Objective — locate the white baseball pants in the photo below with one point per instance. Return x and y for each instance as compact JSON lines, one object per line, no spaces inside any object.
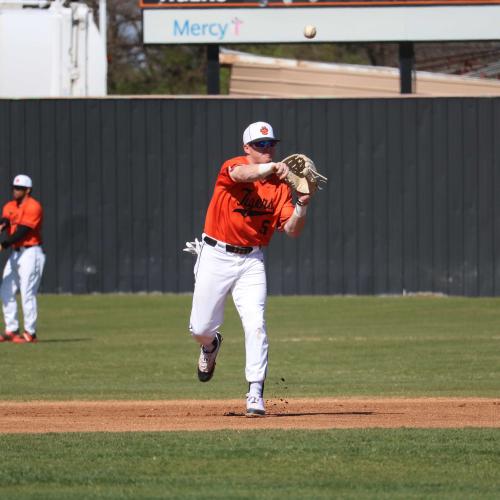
{"x":217,"y":273}
{"x":22,"y":272}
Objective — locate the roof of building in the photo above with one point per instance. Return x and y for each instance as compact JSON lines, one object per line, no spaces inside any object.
{"x":253,"y":75}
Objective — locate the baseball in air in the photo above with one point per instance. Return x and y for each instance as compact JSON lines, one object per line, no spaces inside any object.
{"x":310,"y":31}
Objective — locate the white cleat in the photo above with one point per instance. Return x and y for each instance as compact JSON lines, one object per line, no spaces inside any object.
{"x":206,"y":361}
{"x":255,"y":406}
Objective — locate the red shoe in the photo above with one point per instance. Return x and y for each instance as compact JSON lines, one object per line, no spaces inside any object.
{"x":26,"y":338}
{"x":9,"y":336}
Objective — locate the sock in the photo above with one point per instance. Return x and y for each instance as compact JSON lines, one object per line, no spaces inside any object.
{"x":256,"y":389}
{"x":211,"y":347}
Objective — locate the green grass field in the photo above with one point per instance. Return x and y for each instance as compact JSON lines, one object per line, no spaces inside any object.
{"x":138,"y":347}
{"x":271,"y":465}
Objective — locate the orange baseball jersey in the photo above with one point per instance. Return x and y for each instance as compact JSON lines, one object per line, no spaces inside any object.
{"x":247,"y":213}
{"x":29,"y":213}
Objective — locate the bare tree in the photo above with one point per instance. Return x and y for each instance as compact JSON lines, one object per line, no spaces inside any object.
{"x":134,"y":68}
{"x":180,"y":69}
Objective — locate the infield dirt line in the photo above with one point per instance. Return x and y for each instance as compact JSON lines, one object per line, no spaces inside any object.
{"x":196,"y":415}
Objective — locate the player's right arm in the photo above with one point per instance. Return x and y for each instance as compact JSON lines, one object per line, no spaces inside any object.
{"x":4,"y":223}
{"x":257,"y":171}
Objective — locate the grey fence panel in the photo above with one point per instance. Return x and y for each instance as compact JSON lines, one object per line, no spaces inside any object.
{"x":440,"y":198}
{"x":380,"y":198}
{"x":124,"y":181}
{"x":46,"y":189}
{"x":425,"y":201}
{"x":411,"y":204}
{"x":365,"y":193}
{"x":171,"y":220}
{"x":349,"y":197}
{"x":319,"y":217}
{"x":471,"y":174}
{"x":485,"y":186}
{"x":395,"y":214}
{"x":410,"y":195}
{"x":333,"y":201}
{"x":109,"y":195}
{"x":77,"y":226}
{"x":456,"y":256}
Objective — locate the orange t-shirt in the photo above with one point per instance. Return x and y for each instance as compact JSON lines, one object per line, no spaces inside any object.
{"x":28,"y":213}
{"x":247,"y":213}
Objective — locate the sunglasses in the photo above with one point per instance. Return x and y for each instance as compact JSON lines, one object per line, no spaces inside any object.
{"x":19,"y":188}
{"x":264,"y":144}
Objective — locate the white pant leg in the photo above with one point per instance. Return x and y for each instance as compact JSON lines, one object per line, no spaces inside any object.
{"x":249,"y":295}
{"x":214,"y":276}
{"x":31,"y":264}
{"x":8,"y":290}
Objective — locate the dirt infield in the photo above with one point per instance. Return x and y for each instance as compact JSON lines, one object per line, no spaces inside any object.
{"x":185,"y":415}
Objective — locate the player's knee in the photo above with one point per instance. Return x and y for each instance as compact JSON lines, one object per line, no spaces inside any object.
{"x":256,"y":327}
{"x":202,"y":333}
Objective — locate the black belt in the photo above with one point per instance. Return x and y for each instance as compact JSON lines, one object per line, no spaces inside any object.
{"x":229,"y":248}
{"x":18,"y":249}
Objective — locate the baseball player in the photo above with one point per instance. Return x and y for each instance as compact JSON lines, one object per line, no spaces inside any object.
{"x":22,"y":221}
{"x":249,"y":202}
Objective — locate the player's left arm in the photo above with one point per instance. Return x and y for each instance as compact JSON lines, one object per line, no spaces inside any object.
{"x":20,"y":233}
{"x":295,"y":224}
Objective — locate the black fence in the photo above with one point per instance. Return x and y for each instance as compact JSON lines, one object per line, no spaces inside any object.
{"x":411,"y":204}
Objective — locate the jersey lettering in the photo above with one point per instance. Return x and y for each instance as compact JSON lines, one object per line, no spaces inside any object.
{"x":235,"y":212}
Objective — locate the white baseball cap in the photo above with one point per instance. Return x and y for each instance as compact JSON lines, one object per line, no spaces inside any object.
{"x":22,"y":180}
{"x":258,"y":131}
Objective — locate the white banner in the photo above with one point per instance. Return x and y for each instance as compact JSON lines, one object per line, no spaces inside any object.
{"x":379,"y":24}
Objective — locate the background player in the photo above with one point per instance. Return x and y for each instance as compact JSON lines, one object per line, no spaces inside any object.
{"x":249,"y":202}
{"x":22,"y":219}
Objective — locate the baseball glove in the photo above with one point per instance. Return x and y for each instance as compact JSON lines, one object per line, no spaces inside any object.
{"x":303,"y":176}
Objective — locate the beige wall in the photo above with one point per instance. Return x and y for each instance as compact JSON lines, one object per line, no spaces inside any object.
{"x":255,"y":76}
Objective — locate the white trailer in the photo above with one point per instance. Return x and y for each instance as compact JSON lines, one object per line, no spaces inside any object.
{"x":50,"y":49}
